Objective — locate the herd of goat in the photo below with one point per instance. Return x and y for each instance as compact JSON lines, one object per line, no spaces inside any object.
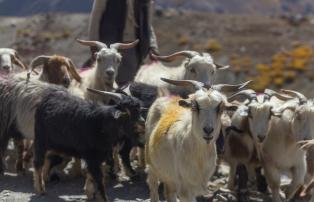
{"x":169,"y":118}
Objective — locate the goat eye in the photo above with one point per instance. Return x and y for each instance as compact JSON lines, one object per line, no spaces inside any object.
{"x":192,"y":70}
{"x":195,"y":106}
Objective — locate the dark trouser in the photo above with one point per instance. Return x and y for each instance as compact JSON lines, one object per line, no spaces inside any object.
{"x":128,"y":67}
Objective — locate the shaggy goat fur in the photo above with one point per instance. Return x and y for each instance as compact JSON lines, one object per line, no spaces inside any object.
{"x":59,"y":128}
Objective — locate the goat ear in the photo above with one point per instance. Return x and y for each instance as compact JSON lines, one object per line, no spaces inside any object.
{"x":185,"y":103}
{"x":117,"y":114}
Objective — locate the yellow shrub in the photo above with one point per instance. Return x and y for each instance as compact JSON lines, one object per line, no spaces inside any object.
{"x":299,"y":64}
{"x":278,"y":81}
{"x":183,"y":40}
{"x":213,"y":45}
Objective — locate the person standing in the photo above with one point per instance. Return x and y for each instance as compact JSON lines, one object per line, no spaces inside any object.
{"x":114,"y":21}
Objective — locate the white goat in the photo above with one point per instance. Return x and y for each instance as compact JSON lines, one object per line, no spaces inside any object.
{"x":9,"y":58}
{"x":278,"y":149}
{"x":102,"y":76}
{"x":302,"y":126}
{"x":240,"y":144}
{"x":180,"y":150}
{"x":198,"y":67}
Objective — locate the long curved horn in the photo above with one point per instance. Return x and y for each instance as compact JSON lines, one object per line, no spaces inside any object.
{"x":230,"y":87}
{"x":96,"y":44}
{"x":249,"y":93}
{"x":270,"y":93}
{"x":122,"y":46}
{"x":299,"y":95}
{"x":17,"y":60}
{"x":115,"y":96}
{"x":186,"y":83}
{"x":172,"y":57}
{"x":72,"y":69}
{"x":39,"y":60}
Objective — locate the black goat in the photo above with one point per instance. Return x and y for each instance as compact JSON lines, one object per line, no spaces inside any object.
{"x":72,"y":126}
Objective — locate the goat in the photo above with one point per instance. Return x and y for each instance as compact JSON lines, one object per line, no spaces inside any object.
{"x":277,"y":145}
{"x":199,"y":67}
{"x":56,"y":69}
{"x":180,"y":150}
{"x":58,"y":128}
{"x":18,"y":101}
{"x":302,"y":128}
{"x":8,"y":58}
{"x":240,"y":144}
{"x":102,"y":76}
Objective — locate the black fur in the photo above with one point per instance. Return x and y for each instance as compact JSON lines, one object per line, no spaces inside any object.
{"x":75,"y":127}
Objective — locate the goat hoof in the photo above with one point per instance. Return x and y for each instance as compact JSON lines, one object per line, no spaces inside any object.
{"x":243,"y":196}
{"x":21,"y":172}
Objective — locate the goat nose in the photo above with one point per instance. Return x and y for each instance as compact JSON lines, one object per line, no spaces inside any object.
{"x":110,"y":72}
{"x":261,"y":138}
{"x":6,"y":67}
{"x":208,"y":130}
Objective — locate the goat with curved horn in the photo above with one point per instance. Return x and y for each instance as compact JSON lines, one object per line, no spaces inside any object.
{"x":299,"y":95}
{"x":270,"y":93}
{"x":122,"y":46}
{"x":115,"y":96}
{"x":249,"y":93}
{"x":174,"y":56}
{"x":230,"y":87}
{"x":187,"y":83}
{"x":96,"y":44}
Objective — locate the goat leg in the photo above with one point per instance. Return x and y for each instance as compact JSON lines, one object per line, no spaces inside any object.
{"x":242,"y":183}
{"x":125,"y":156}
{"x":96,"y":173}
{"x":19,"y":145}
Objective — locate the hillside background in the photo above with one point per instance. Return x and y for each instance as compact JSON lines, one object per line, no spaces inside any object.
{"x":261,"y":7}
{"x":268,"y":41}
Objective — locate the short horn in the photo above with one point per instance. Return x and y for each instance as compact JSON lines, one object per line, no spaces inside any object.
{"x":299,"y":95}
{"x":185,"y":83}
{"x":270,"y":93}
{"x":122,"y":46}
{"x":96,"y":44}
{"x":248,"y":93}
{"x":174,"y":56}
{"x":115,"y":96}
{"x":230,"y":87}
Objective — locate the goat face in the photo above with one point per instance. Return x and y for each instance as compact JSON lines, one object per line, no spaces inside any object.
{"x":201,"y":68}
{"x":8,"y":57}
{"x":107,"y":62}
{"x":259,"y":115}
{"x":134,"y":122}
{"x":206,"y":108}
{"x":5,"y":64}
{"x":302,"y":122}
{"x":57,"y":72}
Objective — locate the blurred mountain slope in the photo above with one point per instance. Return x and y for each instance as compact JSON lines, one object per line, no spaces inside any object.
{"x":260,"y":7}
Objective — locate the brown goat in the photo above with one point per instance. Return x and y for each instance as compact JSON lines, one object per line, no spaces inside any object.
{"x":57,"y":69}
